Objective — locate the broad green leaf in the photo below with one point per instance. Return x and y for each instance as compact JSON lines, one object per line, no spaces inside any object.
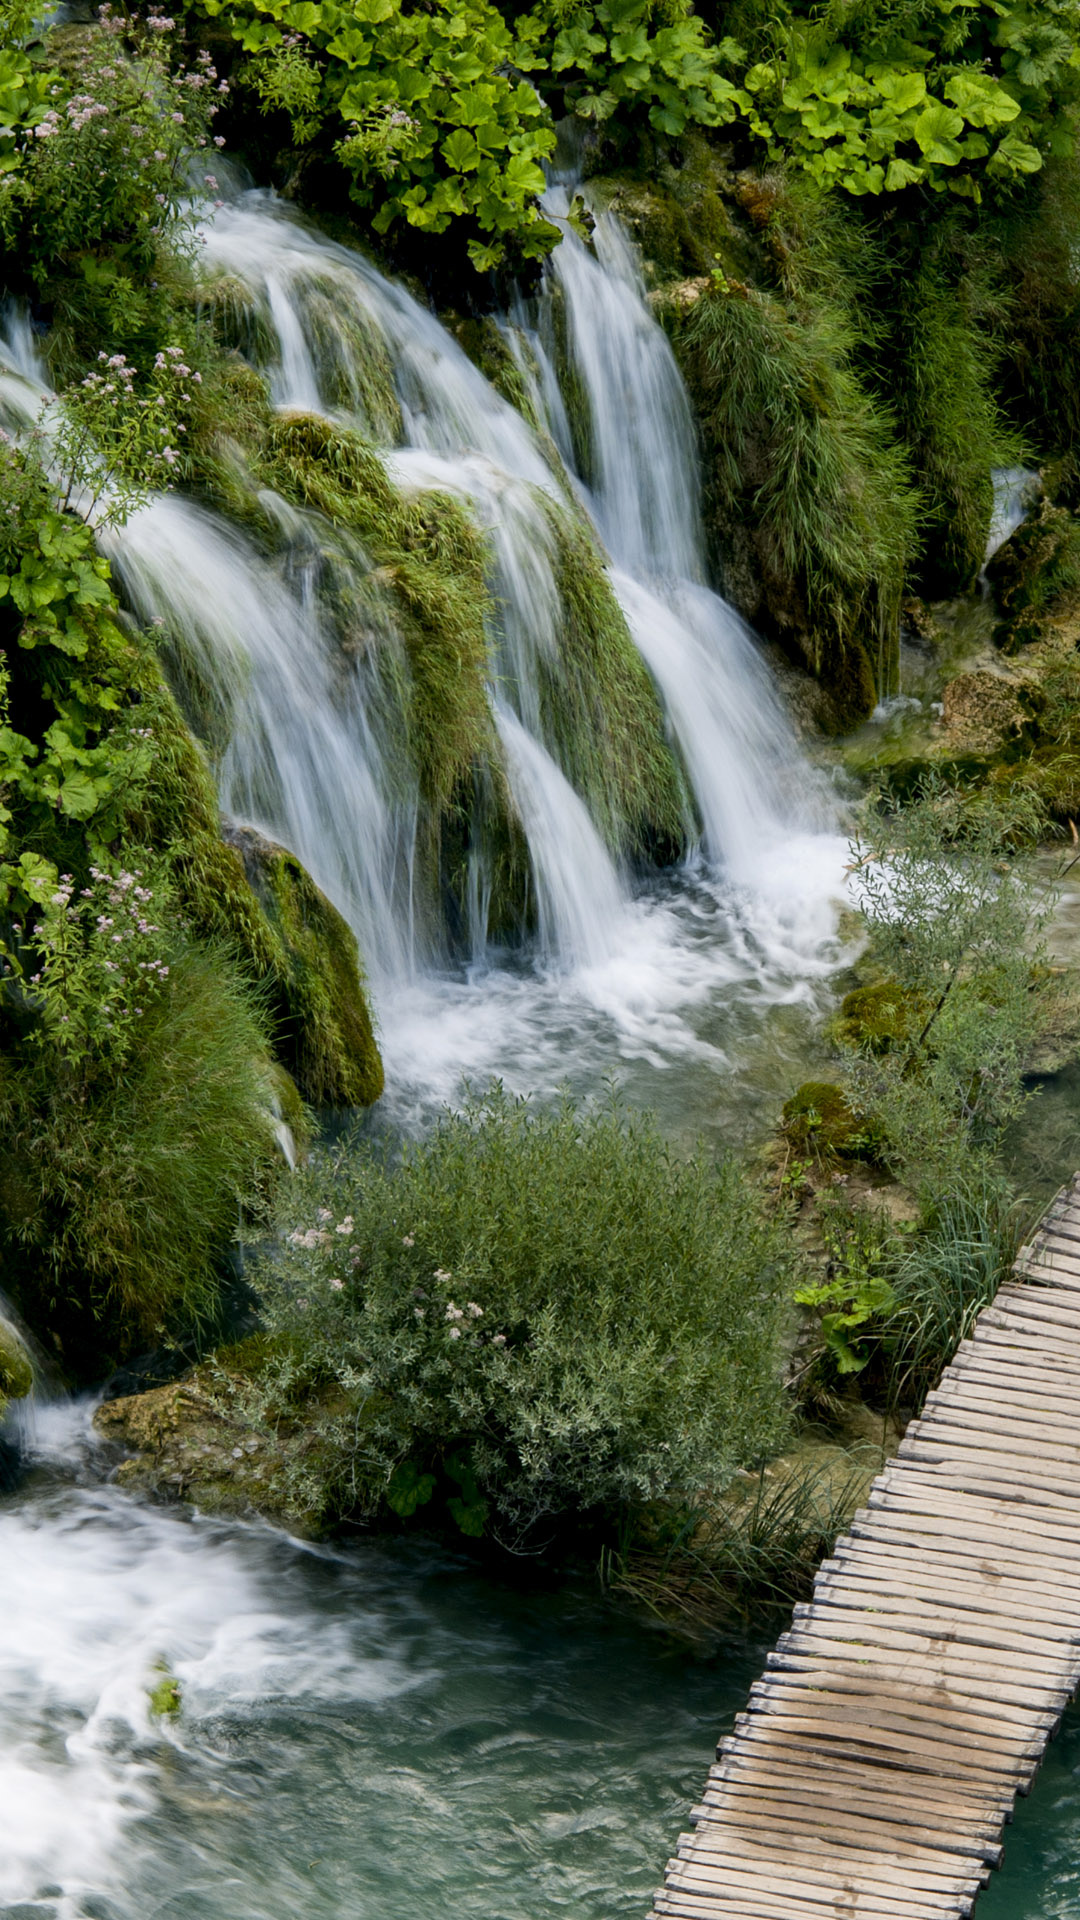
{"x":981,"y":99}
{"x":935,"y":132}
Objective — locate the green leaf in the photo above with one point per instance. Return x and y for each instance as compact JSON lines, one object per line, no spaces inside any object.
{"x":409,"y":1489}
{"x":935,"y":132}
{"x":79,"y":795}
{"x":981,"y":99}
{"x":471,"y":1516}
{"x":460,"y":151}
{"x":902,"y":174}
{"x":902,"y":90}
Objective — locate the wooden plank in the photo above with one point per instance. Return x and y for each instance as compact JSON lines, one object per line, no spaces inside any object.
{"x":871,"y":1867}
{"x":971,"y":1710}
{"x":914,"y":1694}
{"x":846,"y":1826}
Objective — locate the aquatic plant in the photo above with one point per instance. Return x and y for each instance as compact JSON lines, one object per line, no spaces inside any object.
{"x":549,"y":1307}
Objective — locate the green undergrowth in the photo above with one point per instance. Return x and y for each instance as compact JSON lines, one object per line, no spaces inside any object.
{"x":509,"y":1309}
{"x":936,"y":1049}
{"x":121,"y":1187}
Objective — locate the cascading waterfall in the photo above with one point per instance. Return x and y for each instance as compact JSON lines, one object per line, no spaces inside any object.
{"x":641,"y":490}
{"x":306,"y":734}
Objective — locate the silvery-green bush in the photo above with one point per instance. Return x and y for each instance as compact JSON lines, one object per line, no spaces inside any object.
{"x":549,"y":1310}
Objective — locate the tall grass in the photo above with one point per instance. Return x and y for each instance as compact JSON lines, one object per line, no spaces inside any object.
{"x":759,"y":1546}
{"x":803,"y":451}
{"x":119,"y":1194}
{"x":945,"y":1276}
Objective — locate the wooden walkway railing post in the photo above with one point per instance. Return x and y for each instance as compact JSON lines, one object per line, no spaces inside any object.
{"x":881,"y":1752}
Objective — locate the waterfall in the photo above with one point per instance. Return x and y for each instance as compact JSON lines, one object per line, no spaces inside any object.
{"x":303,"y":760}
{"x":641,"y":490}
{"x":580,"y":904}
{"x":303,"y":715}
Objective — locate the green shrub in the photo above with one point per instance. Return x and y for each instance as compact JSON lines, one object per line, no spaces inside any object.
{"x":878,"y":98}
{"x":547,"y":1307}
{"x":954,"y":923}
{"x":801,"y":452}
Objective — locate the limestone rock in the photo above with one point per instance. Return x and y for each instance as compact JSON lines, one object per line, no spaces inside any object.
{"x":983,"y":709}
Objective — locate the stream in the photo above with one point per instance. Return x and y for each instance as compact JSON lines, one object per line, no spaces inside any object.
{"x":371,"y":1733}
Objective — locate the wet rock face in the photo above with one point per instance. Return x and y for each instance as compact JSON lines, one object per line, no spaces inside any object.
{"x":982,"y":709}
{"x":186,"y":1448}
{"x":16,"y":1367}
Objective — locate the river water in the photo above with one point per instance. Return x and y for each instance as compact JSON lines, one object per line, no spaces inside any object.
{"x":376,"y":1732}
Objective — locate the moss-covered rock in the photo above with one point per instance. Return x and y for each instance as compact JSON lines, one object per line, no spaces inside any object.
{"x":1034,"y":573}
{"x":196,"y":1439}
{"x":315,"y":994}
{"x":329,"y":1040}
{"x":16,"y":1367}
{"x":601,"y":709}
{"x":819,"y":1120}
{"x":982,"y":710}
{"x":877,"y":1016}
{"x":429,"y":564}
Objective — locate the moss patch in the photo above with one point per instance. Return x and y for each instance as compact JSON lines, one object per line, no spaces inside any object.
{"x":430,"y":561}
{"x":876,"y":1017}
{"x":601,"y":709}
{"x":819,"y":1120}
{"x":329,"y":1039}
{"x":315,"y":994}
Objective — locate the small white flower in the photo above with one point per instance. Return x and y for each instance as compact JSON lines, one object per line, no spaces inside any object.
{"x":455,"y":1333}
{"x":408,"y":1241}
{"x":477,"y":1313}
{"x":498,"y":1340}
{"x":336,"y":1286}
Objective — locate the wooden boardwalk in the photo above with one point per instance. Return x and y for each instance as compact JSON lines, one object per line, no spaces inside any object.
{"x":913,"y":1697}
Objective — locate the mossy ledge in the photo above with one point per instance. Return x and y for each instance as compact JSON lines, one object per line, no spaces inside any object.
{"x":292,"y":944}
{"x":328,"y":1038}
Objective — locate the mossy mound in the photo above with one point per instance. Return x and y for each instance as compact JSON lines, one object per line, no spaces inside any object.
{"x":876,"y":1017}
{"x":16,"y":1367}
{"x":601,"y":709}
{"x":429,"y":561}
{"x":819,"y":1120}
{"x":328,"y":1037}
{"x":314,"y":994}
